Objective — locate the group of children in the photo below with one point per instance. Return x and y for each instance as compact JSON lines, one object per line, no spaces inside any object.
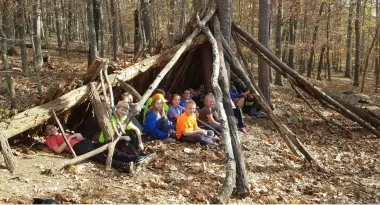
{"x":176,"y":121}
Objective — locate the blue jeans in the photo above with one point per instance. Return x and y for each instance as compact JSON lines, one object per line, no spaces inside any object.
{"x":215,"y":127}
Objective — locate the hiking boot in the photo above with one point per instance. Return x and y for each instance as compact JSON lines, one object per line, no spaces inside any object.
{"x":243,"y":130}
{"x":146,"y":159}
{"x":168,"y":140}
{"x":127,"y":167}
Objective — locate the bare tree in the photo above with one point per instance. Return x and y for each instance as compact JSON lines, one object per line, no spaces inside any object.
{"x":93,"y":50}
{"x":357,"y":44}
{"x":347,"y":72}
{"x":263,"y":73}
{"x":21,"y":30}
{"x":278,"y":79}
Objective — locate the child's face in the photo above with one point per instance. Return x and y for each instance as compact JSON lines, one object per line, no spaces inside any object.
{"x":121,"y":111}
{"x":210,"y":102}
{"x":186,"y":94}
{"x":51,"y":130}
{"x":190,"y":109}
{"x":176,"y":101}
{"x":130,"y":99}
{"x":158,"y":104}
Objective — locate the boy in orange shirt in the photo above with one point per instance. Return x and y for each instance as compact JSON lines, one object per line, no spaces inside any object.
{"x":187,"y":127}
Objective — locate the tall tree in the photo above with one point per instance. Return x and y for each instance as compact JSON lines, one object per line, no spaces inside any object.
{"x":263,"y":72}
{"x":37,"y":44}
{"x":93,"y":50}
{"x":21,"y":31}
{"x":357,"y":43}
{"x":146,"y":18}
{"x":5,"y":61}
{"x":278,"y":79}
{"x":311,"y":58}
{"x":347,"y":72}
{"x":8,"y":25}
{"x":292,"y":35}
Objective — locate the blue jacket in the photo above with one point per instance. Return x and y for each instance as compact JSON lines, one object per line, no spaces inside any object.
{"x":236,"y":95}
{"x":150,"y":126}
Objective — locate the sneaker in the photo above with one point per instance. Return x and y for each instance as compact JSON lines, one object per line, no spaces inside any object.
{"x":243,"y":130}
{"x":127,"y":168}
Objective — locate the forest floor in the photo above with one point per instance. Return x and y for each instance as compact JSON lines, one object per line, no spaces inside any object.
{"x":187,"y":173}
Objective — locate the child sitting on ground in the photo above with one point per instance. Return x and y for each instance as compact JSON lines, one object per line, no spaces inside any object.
{"x":118,"y":121}
{"x":209,"y":115}
{"x":175,"y":110}
{"x":187,"y":127}
{"x":185,"y":97}
{"x":55,"y":142}
{"x":158,"y":93}
{"x":157,"y":125}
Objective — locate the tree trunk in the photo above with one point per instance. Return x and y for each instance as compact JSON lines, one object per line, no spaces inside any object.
{"x":38,"y":61}
{"x":362,"y":44}
{"x":278,"y":80}
{"x":58,"y":24}
{"x":96,"y":11}
{"x":263,"y":73}
{"x":347,"y":72}
{"x":292,"y":22}
{"x":311,"y":58}
{"x":4,"y":58}
{"x":357,"y":44}
{"x":375,"y":38}
{"x":217,"y":50}
{"x":93,"y":51}
{"x":102,"y":31}
{"x":8,"y":26}
{"x":171,"y":33}
{"x":21,"y":31}
{"x":5,"y":148}
{"x":121,"y":28}
{"x":320,"y":63}
{"x":377,"y":59}
{"x":114,"y":29}
{"x":328,"y":43}
{"x":145,"y":16}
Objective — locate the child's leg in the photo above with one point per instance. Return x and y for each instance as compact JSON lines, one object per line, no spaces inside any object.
{"x":239,"y":118}
{"x":203,"y":139}
{"x":163,"y":124}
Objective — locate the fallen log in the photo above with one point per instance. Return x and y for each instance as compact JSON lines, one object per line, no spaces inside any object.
{"x":136,"y":95}
{"x":303,"y":83}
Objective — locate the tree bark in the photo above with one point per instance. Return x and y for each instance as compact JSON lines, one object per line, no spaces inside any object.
{"x":21,"y":30}
{"x":263,"y":73}
{"x":357,"y":44}
{"x":7,"y":152}
{"x":38,"y":61}
{"x":58,"y":24}
{"x":311,"y":58}
{"x":320,"y":63}
{"x":217,"y":51}
{"x":347,"y":72}
{"x":8,"y":77}
{"x":114,"y":29}
{"x":375,"y":38}
{"x":278,"y":80}
{"x":93,"y":51}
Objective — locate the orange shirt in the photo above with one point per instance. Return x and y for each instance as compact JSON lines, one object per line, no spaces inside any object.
{"x":185,"y":122}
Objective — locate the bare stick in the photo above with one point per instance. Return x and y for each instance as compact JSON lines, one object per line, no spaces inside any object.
{"x":331,"y":121}
{"x":112,"y":102}
{"x":103,"y":86}
{"x":230,"y":180}
{"x":205,"y":124}
{"x":129,"y":89}
{"x":64,"y":134}
{"x":7,"y":153}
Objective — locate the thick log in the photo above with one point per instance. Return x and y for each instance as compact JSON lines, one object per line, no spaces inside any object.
{"x":37,"y":115}
{"x":306,"y":85}
{"x":63,"y":133}
{"x":7,"y":152}
{"x":94,"y":69}
{"x":101,"y":114}
{"x":230,"y":179}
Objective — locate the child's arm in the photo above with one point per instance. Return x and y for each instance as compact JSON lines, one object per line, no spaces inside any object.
{"x":212,"y":120}
{"x":138,"y":133}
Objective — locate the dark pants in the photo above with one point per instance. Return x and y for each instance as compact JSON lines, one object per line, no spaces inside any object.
{"x":119,"y":159}
{"x":203,"y":139}
{"x":215,"y":127}
{"x":163,"y":124}
{"x":239,"y":117}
